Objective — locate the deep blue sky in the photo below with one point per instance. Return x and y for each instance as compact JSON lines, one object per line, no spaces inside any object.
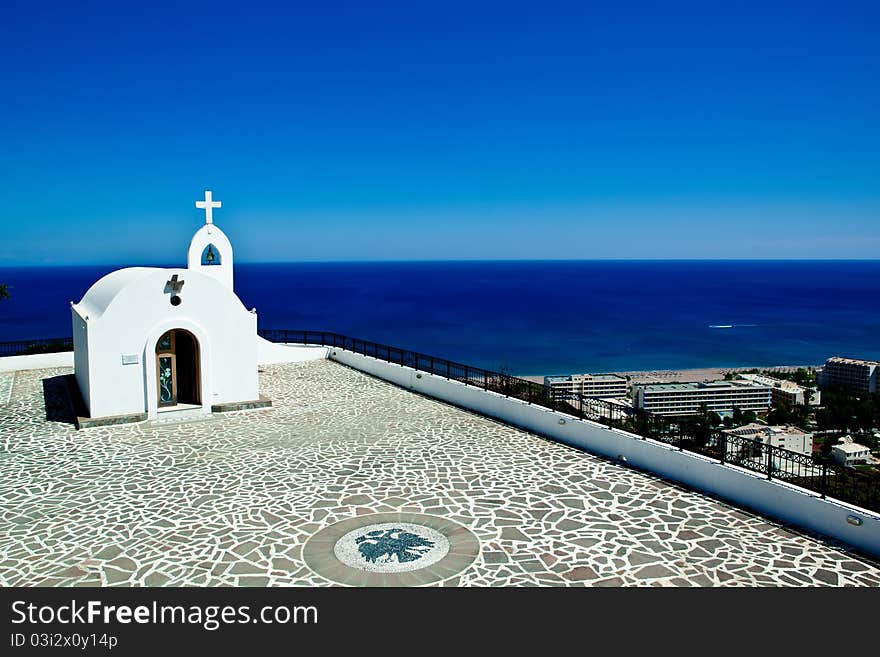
{"x":370,"y":130}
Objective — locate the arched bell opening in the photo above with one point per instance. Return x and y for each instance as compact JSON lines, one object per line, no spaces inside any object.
{"x":210,"y":256}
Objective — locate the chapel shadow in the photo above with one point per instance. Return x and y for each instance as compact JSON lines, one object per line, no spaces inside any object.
{"x":59,"y":399}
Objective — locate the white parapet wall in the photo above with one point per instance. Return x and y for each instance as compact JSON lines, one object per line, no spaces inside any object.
{"x":36,"y":361}
{"x":271,"y":353}
{"x":851,"y":525}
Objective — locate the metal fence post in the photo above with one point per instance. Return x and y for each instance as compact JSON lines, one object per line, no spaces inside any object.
{"x":769,"y":461}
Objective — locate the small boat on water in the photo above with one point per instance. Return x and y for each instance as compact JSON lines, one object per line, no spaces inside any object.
{"x":720,"y":326}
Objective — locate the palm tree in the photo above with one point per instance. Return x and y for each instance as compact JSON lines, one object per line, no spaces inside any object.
{"x":805,"y":412}
{"x":4,"y":291}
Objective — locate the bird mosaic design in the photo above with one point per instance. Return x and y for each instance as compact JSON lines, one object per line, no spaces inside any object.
{"x":384,"y":545}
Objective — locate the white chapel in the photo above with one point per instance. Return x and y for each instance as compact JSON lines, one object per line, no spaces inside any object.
{"x":149,"y":341}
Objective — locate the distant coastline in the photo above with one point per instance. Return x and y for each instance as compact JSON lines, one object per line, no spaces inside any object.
{"x":689,"y":375}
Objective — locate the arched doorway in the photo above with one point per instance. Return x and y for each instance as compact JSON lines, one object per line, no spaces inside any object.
{"x":177,"y":368}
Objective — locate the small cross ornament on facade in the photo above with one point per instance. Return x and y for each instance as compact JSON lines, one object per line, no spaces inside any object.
{"x":175,"y":285}
{"x":208,"y":206}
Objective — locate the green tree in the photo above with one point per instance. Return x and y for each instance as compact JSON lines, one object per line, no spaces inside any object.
{"x":781,"y":414}
{"x":801,"y":377}
{"x":806,"y":410}
{"x":4,"y":291}
{"x":808,"y":396}
{"x":867,"y":413}
{"x":869,"y":441}
{"x":737,"y":417}
{"x":700,"y":428}
{"x":827,"y":443}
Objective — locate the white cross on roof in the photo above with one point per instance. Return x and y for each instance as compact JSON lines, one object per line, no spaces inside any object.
{"x":208,"y":206}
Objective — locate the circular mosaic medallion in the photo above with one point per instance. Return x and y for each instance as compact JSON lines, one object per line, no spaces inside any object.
{"x":391,"y":549}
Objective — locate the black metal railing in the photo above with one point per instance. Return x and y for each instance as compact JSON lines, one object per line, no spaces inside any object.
{"x":687,"y":434}
{"x":41,"y":346}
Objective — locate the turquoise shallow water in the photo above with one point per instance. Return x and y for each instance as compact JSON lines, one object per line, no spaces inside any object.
{"x":539,"y":317}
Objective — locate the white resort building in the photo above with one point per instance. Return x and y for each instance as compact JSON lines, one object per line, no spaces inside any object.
{"x":687,"y":398}
{"x":849,"y":452}
{"x":784,"y":437}
{"x":598,"y":386}
{"x":859,"y":376}
{"x":785,"y":392}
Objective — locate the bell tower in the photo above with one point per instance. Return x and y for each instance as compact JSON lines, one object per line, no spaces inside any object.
{"x":210,"y":251}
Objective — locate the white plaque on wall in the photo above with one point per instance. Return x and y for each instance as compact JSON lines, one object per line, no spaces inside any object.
{"x":130,"y":359}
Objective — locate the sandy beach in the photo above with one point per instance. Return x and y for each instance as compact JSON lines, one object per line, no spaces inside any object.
{"x":689,"y":375}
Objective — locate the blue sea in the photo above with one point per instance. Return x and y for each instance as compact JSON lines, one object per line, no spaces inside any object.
{"x":538,"y":317}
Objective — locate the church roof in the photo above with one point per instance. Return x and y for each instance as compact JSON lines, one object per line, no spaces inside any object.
{"x":99,"y":297}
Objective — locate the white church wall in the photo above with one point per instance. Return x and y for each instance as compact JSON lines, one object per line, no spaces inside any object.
{"x":123,"y":370}
{"x":81,"y":355}
{"x":115,"y":388}
{"x":773,"y":498}
{"x":228,"y":360}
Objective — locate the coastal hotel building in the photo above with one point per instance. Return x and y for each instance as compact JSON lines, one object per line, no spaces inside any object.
{"x":687,"y":398}
{"x":784,"y":437}
{"x":860,"y":376}
{"x":598,"y":386}
{"x":785,"y":392}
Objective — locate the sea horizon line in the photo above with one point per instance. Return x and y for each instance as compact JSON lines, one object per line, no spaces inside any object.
{"x":43,"y":265}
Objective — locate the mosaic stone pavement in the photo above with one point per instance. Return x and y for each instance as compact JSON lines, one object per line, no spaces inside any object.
{"x":231,"y":500}
{"x":6,"y":379}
